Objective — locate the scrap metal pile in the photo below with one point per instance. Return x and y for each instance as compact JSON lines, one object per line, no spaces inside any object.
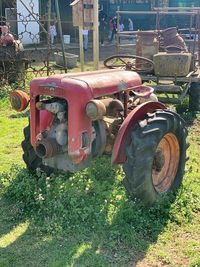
{"x":169,"y":58}
{"x":11,"y":56}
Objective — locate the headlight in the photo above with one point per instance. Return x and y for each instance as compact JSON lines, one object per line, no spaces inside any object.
{"x":19,"y":100}
{"x":95,"y":109}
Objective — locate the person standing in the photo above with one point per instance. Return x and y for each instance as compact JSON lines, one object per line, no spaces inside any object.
{"x":110,"y":28}
{"x":114,"y":31}
{"x":85,"y":40}
{"x":130,"y":24}
{"x":102,"y":29}
{"x":121,"y":26}
{"x":53,"y":33}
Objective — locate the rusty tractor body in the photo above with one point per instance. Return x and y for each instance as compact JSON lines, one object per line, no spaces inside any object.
{"x":77,"y":117}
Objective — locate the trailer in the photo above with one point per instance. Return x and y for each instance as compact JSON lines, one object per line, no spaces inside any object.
{"x":172,"y":64}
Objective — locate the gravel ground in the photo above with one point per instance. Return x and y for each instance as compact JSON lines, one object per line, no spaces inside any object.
{"x":39,"y":54}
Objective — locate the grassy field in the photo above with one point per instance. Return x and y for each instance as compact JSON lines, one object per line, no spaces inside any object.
{"x":86,"y":219}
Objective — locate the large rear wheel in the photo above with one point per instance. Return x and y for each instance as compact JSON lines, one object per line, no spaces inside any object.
{"x":156,"y":156}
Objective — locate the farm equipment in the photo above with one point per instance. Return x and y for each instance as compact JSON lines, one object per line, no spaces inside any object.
{"x":174,"y":72}
{"x":170,"y":74}
{"x":12,"y":62}
{"x":77,"y":117}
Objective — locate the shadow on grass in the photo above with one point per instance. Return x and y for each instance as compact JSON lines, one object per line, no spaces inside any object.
{"x":81,"y":220}
{"x":186,"y":114}
{"x":20,"y":115}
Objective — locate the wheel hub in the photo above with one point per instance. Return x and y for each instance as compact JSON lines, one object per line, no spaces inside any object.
{"x":165,"y":163}
{"x":128,"y":65}
{"x":159,"y":161}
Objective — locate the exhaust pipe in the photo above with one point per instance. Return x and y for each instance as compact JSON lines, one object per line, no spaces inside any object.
{"x":47,"y":148}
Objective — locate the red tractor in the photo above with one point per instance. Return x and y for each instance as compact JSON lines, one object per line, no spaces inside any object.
{"x":79,"y":116}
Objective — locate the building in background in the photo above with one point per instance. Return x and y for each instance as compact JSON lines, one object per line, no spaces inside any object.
{"x":28,"y":28}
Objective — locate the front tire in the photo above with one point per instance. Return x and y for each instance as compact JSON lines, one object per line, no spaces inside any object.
{"x":156,"y":156}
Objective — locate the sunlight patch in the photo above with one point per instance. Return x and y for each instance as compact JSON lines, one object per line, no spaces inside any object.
{"x":113,"y":206}
{"x":7,"y":239}
{"x":82,"y":248}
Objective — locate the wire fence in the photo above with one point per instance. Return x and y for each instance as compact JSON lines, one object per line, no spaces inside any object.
{"x":30,"y":43}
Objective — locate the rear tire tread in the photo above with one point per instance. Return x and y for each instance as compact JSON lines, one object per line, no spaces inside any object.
{"x":140,"y":154}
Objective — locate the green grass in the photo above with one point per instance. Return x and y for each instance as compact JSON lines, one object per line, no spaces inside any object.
{"x":86,"y":219}
{"x":11,"y":125}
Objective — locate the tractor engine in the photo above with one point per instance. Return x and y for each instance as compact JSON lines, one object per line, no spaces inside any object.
{"x":53,"y":140}
{"x":51,"y":145}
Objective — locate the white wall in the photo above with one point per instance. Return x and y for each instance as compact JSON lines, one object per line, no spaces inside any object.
{"x":28,"y":34}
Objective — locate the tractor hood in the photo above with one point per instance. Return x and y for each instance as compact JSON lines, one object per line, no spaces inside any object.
{"x":94,"y":84}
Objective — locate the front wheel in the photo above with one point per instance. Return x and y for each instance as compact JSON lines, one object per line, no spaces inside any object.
{"x":30,"y":158}
{"x":156,"y":156}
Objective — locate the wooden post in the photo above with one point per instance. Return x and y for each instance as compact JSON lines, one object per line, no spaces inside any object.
{"x":158,"y":21}
{"x":48,"y":36}
{"x":81,"y":47}
{"x":96,"y":35}
{"x":118,"y":30}
{"x":61,"y":35}
{"x":49,"y":21}
{"x":198,"y":19}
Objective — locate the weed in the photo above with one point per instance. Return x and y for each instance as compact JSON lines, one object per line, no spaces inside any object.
{"x":86,"y":218}
{"x":5,"y":89}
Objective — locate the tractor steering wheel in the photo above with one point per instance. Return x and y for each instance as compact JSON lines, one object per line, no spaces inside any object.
{"x":128,"y":62}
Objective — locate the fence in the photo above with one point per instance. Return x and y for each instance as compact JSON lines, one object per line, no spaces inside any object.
{"x":30,"y":36}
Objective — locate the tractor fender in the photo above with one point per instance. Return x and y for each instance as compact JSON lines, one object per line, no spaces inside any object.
{"x":123,"y":136}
